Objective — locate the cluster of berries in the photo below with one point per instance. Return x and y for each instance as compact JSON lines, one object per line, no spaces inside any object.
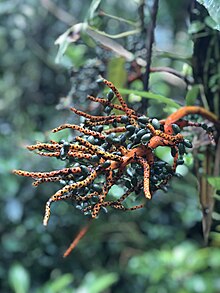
{"x":117,"y":148}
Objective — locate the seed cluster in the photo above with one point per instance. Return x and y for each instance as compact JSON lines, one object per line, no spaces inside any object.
{"x":115,"y":149}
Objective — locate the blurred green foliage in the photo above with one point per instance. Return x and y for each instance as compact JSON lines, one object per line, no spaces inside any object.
{"x":157,"y":249}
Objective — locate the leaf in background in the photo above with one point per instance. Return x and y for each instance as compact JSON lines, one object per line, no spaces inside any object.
{"x":192,"y":95}
{"x":59,"y":284}
{"x":97,"y":283}
{"x":195,"y":27}
{"x":149,"y":95}
{"x":120,"y":19}
{"x":213,"y":7}
{"x":19,"y":279}
{"x":93,"y":7}
{"x":103,"y":282}
{"x":116,"y":71}
{"x":70,"y":36}
{"x":83,"y":30}
{"x":106,"y":41}
{"x":76,"y":54}
{"x":214,"y":182}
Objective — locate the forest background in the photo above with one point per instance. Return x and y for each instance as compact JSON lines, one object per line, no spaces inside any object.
{"x":157,"y":249}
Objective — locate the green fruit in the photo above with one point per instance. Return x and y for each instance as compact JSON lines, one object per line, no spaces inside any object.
{"x":141,"y":132}
{"x":176,"y":128}
{"x":91,"y":139}
{"x":187,"y":143}
{"x":99,"y":128}
{"x":142,"y":119}
{"x":124,"y":119}
{"x":96,"y":187}
{"x":114,"y":123}
{"x":130,"y":145}
{"x":210,"y":129}
{"x":94,"y":159}
{"x":204,"y":126}
{"x":130,"y":128}
{"x":128,"y":183}
{"x":154,"y":178}
{"x":133,"y":137}
{"x":181,"y":148}
{"x":110,"y":95}
{"x":84,"y":169}
{"x":116,"y":140}
{"x":107,"y":110}
{"x":106,"y":164}
{"x":173,"y":152}
{"x":134,"y":181}
{"x":146,"y":137}
{"x":155,"y":123}
{"x":122,"y":138}
{"x":110,"y":138}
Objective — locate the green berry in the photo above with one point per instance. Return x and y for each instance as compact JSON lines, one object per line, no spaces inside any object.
{"x":182,"y":149}
{"x":142,"y":119}
{"x":106,"y":164}
{"x":187,"y":143}
{"x":110,"y":95}
{"x":173,"y":152}
{"x":176,"y":128}
{"x":107,"y":110}
{"x":156,"y":124}
{"x":94,"y":159}
{"x":84,"y":169}
{"x":124,"y":119}
{"x":146,"y":137}
{"x":130,"y":128}
{"x":96,"y":187}
{"x":141,"y":132}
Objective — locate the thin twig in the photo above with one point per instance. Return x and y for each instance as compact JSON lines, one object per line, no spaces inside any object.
{"x":149,"y":45}
{"x":76,"y":240}
{"x":187,"y":79}
{"x":141,"y":15}
{"x":139,"y":75}
{"x":58,"y":12}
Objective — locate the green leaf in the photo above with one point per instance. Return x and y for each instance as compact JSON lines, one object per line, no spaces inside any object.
{"x":213,"y":7}
{"x":196,"y":26}
{"x":98,"y":283}
{"x":210,"y":22}
{"x":60,"y":283}
{"x":149,"y":95}
{"x":106,"y":41}
{"x":69,"y":36}
{"x":92,"y":9}
{"x":116,"y":71}
{"x":75,"y":54}
{"x":116,"y":191}
{"x":214,"y":182}
{"x":192,"y":95}
{"x":19,"y":279}
{"x":82,"y":30}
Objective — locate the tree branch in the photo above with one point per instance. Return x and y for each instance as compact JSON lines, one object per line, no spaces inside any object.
{"x":150,"y":41}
